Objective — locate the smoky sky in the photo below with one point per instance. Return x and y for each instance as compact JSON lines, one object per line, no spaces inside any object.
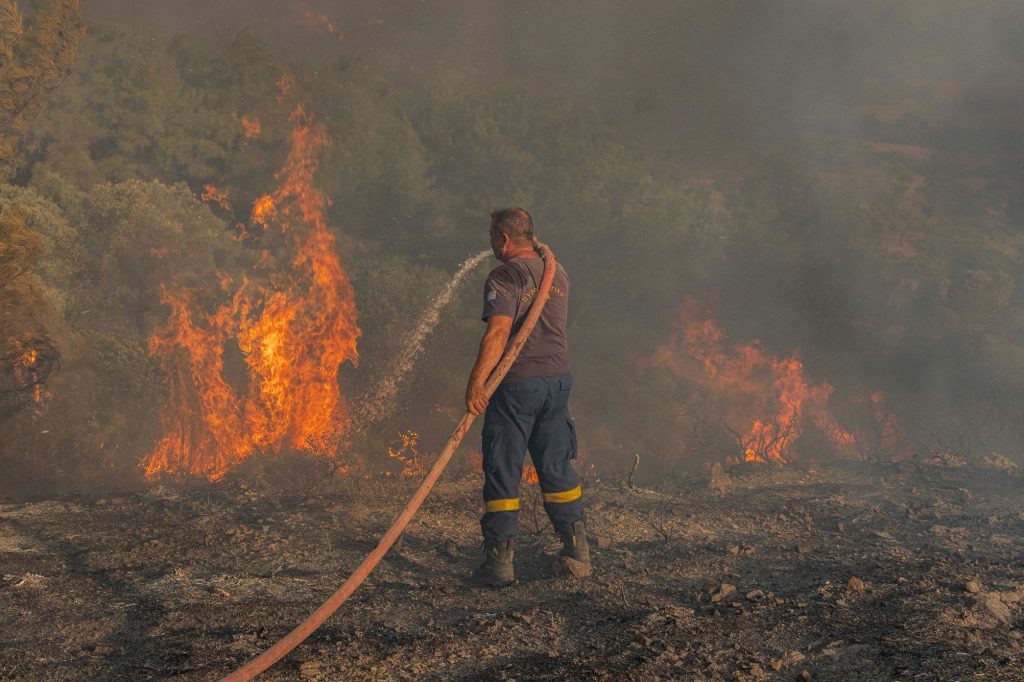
{"x":712,"y":70}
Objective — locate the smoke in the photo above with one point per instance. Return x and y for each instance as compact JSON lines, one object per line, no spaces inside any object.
{"x":835,"y":182}
{"x":711,"y":71}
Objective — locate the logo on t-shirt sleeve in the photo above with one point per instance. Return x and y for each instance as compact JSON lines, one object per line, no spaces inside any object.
{"x":492,"y":295}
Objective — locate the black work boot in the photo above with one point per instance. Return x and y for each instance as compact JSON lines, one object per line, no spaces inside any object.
{"x":497,"y":569}
{"x":576,"y":550}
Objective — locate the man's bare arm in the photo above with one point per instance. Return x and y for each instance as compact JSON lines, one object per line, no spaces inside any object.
{"x":492,"y":346}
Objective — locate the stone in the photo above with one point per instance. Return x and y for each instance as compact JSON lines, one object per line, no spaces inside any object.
{"x":855,"y":584}
{"x":602,"y":542}
{"x":757,"y":672}
{"x":722,"y":591}
{"x":718,"y":480}
{"x":995,"y":607}
{"x":803,"y":549}
{"x":973,"y":586}
{"x":755,"y":595}
{"x":792,"y":657}
{"x":310,"y":670}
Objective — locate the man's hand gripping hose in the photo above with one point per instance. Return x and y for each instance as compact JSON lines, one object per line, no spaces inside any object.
{"x":317,"y":618}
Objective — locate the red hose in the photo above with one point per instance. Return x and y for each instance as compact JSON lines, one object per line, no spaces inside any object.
{"x":317,"y":618}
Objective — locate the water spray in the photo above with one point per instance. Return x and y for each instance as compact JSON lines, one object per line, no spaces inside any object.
{"x":381,"y":402}
{"x":317,"y":618}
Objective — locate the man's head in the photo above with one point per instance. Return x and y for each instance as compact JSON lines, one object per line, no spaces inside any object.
{"x":511,"y":233}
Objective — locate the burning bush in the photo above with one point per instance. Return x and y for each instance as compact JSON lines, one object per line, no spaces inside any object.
{"x":746,"y":404}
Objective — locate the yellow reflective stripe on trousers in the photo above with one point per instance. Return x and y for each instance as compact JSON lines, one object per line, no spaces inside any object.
{"x":502,"y":505}
{"x":567,"y":496}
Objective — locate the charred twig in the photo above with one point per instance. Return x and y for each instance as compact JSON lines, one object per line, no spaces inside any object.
{"x":636,"y":463}
{"x":661,"y":524}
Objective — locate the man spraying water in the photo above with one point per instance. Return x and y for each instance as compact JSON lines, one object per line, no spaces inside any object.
{"x":530,"y":408}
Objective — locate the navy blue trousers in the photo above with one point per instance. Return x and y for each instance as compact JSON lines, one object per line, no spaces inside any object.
{"x":533,"y":415}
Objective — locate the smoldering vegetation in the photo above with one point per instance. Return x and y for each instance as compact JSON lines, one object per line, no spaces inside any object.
{"x":835,"y":189}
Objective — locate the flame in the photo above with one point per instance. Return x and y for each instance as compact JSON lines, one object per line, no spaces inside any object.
{"x":30,"y":368}
{"x":295,"y":332}
{"x":264,"y":210}
{"x":316,"y":19}
{"x":408,"y":455}
{"x":285,"y":85}
{"x":25,"y":365}
{"x":202,"y":418}
{"x":772,"y":399}
{"x":213,"y":195}
{"x":530,"y":475}
{"x":251,"y":127}
{"x":307,"y":331}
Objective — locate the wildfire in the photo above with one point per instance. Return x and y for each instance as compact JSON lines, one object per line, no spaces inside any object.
{"x":25,"y":366}
{"x":295,"y":331}
{"x":251,"y":127}
{"x":263,"y":210}
{"x":202,"y":420}
{"x":212,"y":194}
{"x":771,"y":399}
{"x":285,"y":85}
{"x":317,"y":19}
{"x":407,"y":454}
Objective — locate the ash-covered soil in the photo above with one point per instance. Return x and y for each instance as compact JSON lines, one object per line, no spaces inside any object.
{"x":843,"y":572}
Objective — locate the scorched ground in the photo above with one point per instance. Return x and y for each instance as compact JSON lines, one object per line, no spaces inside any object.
{"x":838,"y":571}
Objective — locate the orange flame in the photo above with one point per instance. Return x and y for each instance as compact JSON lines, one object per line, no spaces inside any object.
{"x":25,"y":364}
{"x":408,"y":455}
{"x":251,"y":127}
{"x":202,"y":419}
{"x":263,"y":210}
{"x":285,"y":85}
{"x":530,"y":475}
{"x":308,"y":330}
{"x":217,"y":196}
{"x":771,"y":395}
{"x":316,"y":19}
{"x":295,"y":334}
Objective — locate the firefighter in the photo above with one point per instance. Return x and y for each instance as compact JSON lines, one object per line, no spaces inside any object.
{"x":530,"y":408}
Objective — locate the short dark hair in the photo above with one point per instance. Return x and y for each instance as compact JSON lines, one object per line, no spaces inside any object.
{"x":515,"y":222}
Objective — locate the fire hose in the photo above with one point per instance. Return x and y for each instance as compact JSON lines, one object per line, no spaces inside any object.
{"x":279,"y":650}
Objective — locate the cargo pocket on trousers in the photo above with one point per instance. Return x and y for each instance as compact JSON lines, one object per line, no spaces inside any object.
{"x":573,"y":445}
{"x":492,"y":446}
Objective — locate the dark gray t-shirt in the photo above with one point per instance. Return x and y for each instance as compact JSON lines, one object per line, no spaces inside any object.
{"x":509,"y":290}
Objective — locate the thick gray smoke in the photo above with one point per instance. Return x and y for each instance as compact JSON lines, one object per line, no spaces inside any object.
{"x":710,"y":71}
{"x":838,"y":182}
